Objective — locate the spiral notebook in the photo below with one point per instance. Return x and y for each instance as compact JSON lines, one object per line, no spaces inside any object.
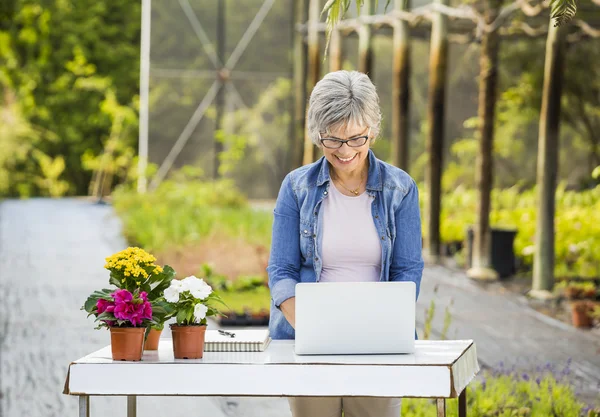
{"x":253,"y":340}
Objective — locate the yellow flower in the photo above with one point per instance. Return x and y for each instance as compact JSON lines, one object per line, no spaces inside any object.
{"x":138,"y":283}
{"x":123,"y":280}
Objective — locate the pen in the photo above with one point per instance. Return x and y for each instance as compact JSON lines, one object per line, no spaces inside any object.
{"x":224,"y":333}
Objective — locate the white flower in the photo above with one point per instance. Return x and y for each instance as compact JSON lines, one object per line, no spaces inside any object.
{"x":197,"y":287}
{"x":177,"y":284}
{"x":200,"y":312}
{"x":172,"y":294}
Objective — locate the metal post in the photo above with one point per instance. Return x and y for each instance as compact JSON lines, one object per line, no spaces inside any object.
{"x":438,"y":61}
{"x":462,"y":403}
{"x":131,"y":406}
{"x":223,"y":77}
{"x":144,"y":89}
{"x":441,"y":407}
{"x":84,"y":406}
{"x":401,"y":90}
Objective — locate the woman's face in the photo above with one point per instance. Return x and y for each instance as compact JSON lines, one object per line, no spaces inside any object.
{"x":347,"y":159}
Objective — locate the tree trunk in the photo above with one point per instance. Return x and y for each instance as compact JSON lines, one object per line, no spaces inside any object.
{"x":435,"y":141}
{"x":314,"y":70}
{"x":547,"y":163}
{"x":335,"y":51}
{"x":488,"y":80}
{"x":365,"y":49}
{"x":401,"y":90}
{"x":300,"y":14}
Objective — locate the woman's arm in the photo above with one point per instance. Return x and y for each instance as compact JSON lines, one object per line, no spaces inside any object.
{"x":284,"y":260}
{"x":407,"y":256}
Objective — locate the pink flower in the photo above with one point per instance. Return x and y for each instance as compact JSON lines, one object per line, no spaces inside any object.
{"x":135,"y":310}
{"x":144,"y":295}
{"x":105,"y":306}
{"x":122,"y":296}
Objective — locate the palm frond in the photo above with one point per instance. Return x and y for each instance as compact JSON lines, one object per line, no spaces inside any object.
{"x":562,"y":11}
{"x":336,"y":9}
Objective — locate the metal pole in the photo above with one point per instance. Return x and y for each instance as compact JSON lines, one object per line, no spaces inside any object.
{"x":144,"y":91}
{"x":131,"y":406}
{"x":223,"y":77}
{"x":462,"y":403}
{"x":84,"y":406}
{"x":441,"y":407}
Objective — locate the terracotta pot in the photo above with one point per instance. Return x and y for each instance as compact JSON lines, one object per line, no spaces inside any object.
{"x":126,"y":343}
{"x":581,"y":315}
{"x":188,"y":341}
{"x":152,"y":340}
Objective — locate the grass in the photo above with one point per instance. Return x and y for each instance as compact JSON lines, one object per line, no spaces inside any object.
{"x":253,"y":300}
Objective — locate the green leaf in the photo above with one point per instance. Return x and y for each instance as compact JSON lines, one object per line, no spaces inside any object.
{"x":181,"y":315}
{"x":92,"y":300}
{"x":562,"y":11}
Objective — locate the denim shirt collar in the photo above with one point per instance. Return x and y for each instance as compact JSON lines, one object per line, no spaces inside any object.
{"x":373,"y":178}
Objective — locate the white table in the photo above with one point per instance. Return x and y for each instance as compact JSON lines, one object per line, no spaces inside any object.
{"x":438,"y":369}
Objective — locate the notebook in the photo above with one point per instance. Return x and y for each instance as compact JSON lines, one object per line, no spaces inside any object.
{"x":252,"y":340}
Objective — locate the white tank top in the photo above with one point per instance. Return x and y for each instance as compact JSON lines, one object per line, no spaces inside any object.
{"x":351,"y":250}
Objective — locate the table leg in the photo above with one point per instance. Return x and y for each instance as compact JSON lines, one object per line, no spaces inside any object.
{"x":441,"y":407}
{"x":462,"y":404}
{"x":84,"y":406}
{"x":131,"y":406}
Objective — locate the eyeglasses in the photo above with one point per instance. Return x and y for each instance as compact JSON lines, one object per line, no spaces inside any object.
{"x":335,"y":143}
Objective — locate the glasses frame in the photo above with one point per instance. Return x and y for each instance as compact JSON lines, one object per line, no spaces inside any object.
{"x":346,"y":141}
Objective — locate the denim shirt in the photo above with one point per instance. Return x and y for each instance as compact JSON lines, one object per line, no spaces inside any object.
{"x":297,"y":231}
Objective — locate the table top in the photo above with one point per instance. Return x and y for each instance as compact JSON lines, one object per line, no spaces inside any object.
{"x":436,"y":369}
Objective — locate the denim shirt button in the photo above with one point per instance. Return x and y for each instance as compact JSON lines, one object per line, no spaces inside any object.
{"x":324,"y":192}
{"x":306,"y":231}
{"x":382,"y":237}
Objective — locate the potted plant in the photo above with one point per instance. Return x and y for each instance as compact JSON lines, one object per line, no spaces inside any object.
{"x":127,"y":315}
{"x":134,"y":268}
{"x":582,"y":313}
{"x":190,"y":300}
{"x":579,"y":290}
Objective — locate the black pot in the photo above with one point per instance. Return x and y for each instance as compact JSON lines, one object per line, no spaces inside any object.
{"x":502,"y":247}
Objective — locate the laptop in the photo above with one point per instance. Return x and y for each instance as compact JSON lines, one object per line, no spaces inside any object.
{"x":338,"y":318}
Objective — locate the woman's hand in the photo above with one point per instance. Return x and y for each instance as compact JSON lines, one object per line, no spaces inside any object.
{"x":288,"y":307}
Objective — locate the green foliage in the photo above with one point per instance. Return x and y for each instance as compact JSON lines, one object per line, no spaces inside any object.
{"x":577,"y":231}
{"x":508,"y":395}
{"x":184,"y":211}
{"x":59,"y":66}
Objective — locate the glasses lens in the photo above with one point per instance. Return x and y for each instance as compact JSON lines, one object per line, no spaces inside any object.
{"x":331,"y":143}
{"x":357,"y":142}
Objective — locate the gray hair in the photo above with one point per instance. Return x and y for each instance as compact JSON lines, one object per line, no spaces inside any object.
{"x":343,"y":97}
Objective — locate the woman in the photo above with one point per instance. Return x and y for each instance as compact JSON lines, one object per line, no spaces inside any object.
{"x":346,"y":217}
